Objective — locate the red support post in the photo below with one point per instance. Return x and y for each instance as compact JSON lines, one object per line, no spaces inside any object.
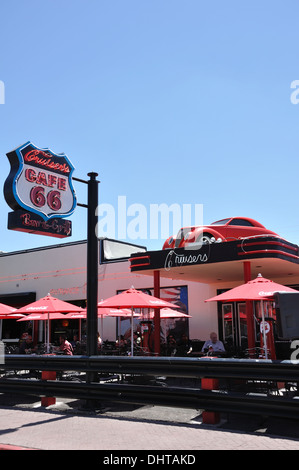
{"x":48,"y":375}
{"x":249,"y":312}
{"x":210,"y":417}
{"x":157,"y":313}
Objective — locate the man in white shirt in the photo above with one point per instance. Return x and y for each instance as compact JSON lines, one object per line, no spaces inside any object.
{"x":213,"y":344}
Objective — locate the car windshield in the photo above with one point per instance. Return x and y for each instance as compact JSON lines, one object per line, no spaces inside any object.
{"x":221,"y":222}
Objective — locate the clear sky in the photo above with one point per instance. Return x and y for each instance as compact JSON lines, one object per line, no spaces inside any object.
{"x":174,"y":102}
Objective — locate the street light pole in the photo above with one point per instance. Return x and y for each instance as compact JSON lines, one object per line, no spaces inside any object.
{"x":92,"y":275}
{"x":92,"y":266}
{"x":92,"y":263}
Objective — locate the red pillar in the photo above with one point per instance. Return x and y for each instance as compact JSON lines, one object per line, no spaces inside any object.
{"x":210,"y":417}
{"x":249,"y":311}
{"x":157,"y":313}
{"x":48,"y":375}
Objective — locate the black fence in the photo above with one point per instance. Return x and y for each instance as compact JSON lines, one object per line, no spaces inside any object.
{"x":263,"y":387}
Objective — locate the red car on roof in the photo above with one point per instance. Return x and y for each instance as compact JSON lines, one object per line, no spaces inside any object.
{"x":229,"y":229}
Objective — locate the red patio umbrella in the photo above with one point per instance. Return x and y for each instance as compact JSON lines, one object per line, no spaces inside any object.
{"x":259,"y":289}
{"x":6,"y":309}
{"x":48,"y":305}
{"x":133,"y":298}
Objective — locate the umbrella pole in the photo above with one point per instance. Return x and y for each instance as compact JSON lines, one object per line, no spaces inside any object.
{"x":264,"y":330}
{"x":48,"y":335}
{"x":45,"y":333}
{"x":132,"y":336}
{"x":102,"y":328}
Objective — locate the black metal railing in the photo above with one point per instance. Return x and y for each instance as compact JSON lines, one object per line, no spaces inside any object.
{"x":266,"y":399}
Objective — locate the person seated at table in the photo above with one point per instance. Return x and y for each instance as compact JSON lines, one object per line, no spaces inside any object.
{"x":171,"y":347}
{"x":99,"y":341}
{"x":213,"y":345}
{"x":76,"y":345}
{"x":27,"y":346}
{"x":65,"y":347}
{"x":122,"y":344}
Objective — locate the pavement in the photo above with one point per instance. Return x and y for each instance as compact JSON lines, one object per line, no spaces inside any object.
{"x":125,"y":430}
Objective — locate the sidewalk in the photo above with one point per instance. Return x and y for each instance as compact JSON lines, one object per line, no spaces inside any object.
{"x":64,"y":426}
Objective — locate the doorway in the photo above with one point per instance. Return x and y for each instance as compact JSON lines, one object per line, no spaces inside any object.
{"x":234,"y":327}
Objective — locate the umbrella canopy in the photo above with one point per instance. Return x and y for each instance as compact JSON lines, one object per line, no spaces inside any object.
{"x":8,"y":313}
{"x":168,"y":313}
{"x":11,"y":316}
{"x":259,"y":288}
{"x":6,"y":309}
{"x":133,"y":298}
{"x":43,"y":316}
{"x":49,"y":304}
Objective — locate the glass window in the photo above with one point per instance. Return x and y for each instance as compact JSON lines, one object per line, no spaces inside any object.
{"x":243,"y":222}
{"x":243,"y":325}
{"x":221,"y":222}
{"x":227,"y":316}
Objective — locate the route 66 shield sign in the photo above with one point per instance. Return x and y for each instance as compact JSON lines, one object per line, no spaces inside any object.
{"x":40,"y":181}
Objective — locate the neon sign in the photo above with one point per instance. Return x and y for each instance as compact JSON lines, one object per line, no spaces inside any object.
{"x":40,"y":182}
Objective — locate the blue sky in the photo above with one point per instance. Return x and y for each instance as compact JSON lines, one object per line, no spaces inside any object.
{"x":168,"y":101}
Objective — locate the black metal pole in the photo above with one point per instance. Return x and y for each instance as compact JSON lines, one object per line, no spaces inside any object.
{"x":92,"y":266}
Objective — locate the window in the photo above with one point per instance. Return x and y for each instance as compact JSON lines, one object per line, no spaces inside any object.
{"x":221,"y":222}
{"x":243,"y":222}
